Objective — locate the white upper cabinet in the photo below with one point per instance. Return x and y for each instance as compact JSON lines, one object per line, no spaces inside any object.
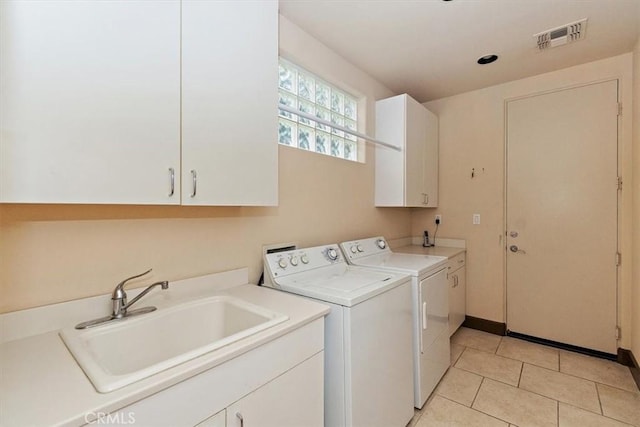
{"x":117,"y":102}
{"x":229,"y":102}
{"x":90,"y":105}
{"x":410,"y":177}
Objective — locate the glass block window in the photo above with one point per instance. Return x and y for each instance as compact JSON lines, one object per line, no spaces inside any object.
{"x":307,"y":93}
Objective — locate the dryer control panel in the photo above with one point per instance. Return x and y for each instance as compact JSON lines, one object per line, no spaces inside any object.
{"x":361,"y":248}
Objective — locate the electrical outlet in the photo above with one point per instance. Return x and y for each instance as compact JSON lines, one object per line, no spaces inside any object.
{"x":476,"y":219}
{"x":438,"y":219}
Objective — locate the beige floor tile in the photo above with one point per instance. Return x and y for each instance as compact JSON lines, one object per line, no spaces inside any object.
{"x":570,"y":416}
{"x":565,"y":388}
{"x":459,"y":386}
{"x":619,"y":404}
{"x":476,"y":339}
{"x":515,"y":405}
{"x":535,"y":354}
{"x":443,"y":412}
{"x":489,"y":365}
{"x":598,"y":370}
{"x":456,"y":351}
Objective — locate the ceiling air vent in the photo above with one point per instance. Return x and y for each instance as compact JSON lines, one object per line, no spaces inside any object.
{"x":562,"y":35}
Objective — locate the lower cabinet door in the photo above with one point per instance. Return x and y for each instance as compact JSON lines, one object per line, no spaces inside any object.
{"x":295,"y":398}
{"x":457,"y":299}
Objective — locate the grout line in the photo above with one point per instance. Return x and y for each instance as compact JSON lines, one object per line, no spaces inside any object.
{"x":520,"y":376}
{"x":476,"y":410}
{"x":498,"y":346}
{"x":599,"y":400}
{"x":477,"y":392}
{"x":459,"y":356}
{"x":557,"y":412}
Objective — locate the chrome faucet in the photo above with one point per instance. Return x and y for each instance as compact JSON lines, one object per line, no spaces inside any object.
{"x":120,"y":304}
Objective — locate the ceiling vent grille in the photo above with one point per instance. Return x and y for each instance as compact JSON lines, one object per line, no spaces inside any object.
{"x":559,"y":36}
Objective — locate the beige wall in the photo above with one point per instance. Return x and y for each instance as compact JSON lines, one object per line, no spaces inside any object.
{"x":635,"y":328}
{"x":472,"y":137}
{"x":51,"y":253}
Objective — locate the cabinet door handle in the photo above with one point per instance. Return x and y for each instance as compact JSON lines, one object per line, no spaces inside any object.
{"x":425,"y":197}
{"x":455,"y":281}
{"x":239,"y":416}
{"x":194,"y":180}
{"x":172,"y":181}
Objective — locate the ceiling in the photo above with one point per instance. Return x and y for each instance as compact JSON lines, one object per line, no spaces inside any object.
{"x":429,"y":48}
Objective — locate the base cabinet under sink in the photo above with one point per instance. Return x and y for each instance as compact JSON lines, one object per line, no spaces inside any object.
{"x":279,"y":384}
{"x":293,"y":399}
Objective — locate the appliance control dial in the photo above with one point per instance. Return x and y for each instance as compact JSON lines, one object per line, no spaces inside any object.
{"x":304,"y":258}
{"x":293,"y":260}
{"x":360,"y":248}
{"x":332,"y":254}
{"x":354,"y":249}
{"x":282,"y":263}
{"x":381,"y":243}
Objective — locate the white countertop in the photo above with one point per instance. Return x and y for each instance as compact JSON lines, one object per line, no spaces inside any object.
{"x":449,"y":252}
{"x":41,"y":383}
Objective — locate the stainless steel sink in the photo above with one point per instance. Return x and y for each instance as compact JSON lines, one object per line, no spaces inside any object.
{"x":116,"y":355}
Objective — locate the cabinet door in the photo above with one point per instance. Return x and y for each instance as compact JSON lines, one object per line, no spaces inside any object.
{"x":293,"y":399}
{"x":415,"y":155}
{"x":430,"y":161}
{"x":457,"y":299}
{"x":90,"y":106}
{"x":229,"y":102}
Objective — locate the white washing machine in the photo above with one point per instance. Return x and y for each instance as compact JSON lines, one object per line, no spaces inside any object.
{"x":430,"y":302}
{"x":368,"y":342}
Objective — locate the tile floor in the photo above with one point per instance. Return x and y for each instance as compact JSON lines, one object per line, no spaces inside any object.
{"x":503,"y":381}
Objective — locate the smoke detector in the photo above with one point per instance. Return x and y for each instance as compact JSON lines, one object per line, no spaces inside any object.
{"x":559,"y":36}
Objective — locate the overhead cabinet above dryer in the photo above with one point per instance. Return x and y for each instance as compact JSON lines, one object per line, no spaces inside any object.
{"x":139,"y":102}
{"x":408,"y":178}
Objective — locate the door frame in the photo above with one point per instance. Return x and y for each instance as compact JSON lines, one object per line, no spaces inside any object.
{"x":619,"y":212}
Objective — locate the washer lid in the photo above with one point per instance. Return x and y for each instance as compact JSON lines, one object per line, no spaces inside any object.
{"x":347,"y":286}
{"x":413,"y":264}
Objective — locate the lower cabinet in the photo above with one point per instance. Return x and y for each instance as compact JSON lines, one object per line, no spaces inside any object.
{"x":280,"y":383}
{"x":457,"y":292}
{"x":293,"y":399}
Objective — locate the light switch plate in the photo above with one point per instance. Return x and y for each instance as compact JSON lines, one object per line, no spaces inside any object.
{"x":476,"y":219}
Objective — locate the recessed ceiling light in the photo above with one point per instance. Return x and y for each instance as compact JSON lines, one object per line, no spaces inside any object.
{"x":487,"y":59}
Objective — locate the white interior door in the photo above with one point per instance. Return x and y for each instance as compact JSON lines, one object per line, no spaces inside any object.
{"x":562,"y":216}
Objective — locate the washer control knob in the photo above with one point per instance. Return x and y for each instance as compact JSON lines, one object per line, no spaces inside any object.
{"x":304,"y":258}
{"x":332,"y":254}
{"x":282,"y":263}
{"x":360,"y":248}
{"x":354,"y":249}
{"x":381,"y":243}
{"x":293,"y":260}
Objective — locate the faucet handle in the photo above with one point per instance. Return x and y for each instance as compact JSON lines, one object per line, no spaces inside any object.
{"x":118,"y":292}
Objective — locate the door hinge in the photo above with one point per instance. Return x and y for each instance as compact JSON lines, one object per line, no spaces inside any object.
{"x":619,"y":183}
{"x":618,"y":333}
{"x":619,"y":108}
{"x":618,"y":259}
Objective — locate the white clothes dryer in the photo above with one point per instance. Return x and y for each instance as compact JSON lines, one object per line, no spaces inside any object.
{"x":430,"y":306}
{"x":368,"y":364}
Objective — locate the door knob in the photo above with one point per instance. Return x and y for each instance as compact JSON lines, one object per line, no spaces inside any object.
{"x":514,"y":249}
